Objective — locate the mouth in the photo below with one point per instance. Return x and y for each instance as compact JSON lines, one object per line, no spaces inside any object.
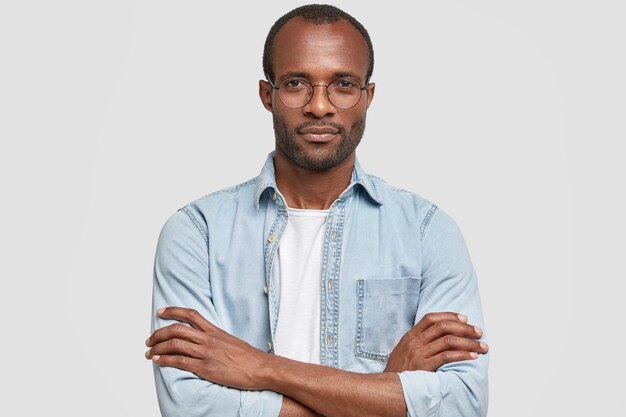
{"x":319,"y":134}
{"x":320,"y":138}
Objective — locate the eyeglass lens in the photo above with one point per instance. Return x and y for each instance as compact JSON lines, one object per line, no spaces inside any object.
{"x":342,"y":93}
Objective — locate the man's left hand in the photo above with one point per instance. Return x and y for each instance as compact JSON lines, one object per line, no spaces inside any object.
{"x":206,"y":350}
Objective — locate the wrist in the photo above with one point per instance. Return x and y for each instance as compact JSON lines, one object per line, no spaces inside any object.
{"x":266,"y":375}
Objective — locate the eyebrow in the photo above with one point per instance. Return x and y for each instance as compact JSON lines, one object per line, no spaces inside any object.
{"x":347,"y":74}
{"x":296,"y":74}
{"x":338,"y":74}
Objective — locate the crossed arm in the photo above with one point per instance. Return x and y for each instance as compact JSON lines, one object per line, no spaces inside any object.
{"x":431,"y":372}
{"x":308,"y":389}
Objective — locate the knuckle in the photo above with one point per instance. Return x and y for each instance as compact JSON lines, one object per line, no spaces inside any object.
{"x":443,"y":326}
{"x":193,"y":313}
{"x":449,"y":340}
{"x":178,"y":328}
{"x":430,"y":317}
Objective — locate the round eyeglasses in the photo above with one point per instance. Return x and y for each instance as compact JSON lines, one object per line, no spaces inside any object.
{"x":343,"y":93}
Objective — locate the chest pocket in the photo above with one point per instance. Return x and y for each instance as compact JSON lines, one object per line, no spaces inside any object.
{"x":386,"y":309}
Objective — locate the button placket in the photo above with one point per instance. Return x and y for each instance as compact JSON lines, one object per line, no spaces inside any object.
{"x":271,"y":246}
{"x":330,"y":301}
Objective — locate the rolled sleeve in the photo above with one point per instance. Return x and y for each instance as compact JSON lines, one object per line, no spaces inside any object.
{"x":181,"y":278}
{"x":422,"y":393}
{"x":448,"y":284}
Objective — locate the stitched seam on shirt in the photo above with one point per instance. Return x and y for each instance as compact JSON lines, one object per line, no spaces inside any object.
{"x":196,"y":223}
{"x":231,"y":189}
{"x":393,"y":188}
{"x":426,"y":221}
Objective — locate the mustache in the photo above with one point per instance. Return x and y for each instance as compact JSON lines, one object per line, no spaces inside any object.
{"x":317,"y":124}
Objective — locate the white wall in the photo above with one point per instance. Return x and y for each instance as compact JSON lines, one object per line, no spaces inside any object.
{"x":113,"y":114}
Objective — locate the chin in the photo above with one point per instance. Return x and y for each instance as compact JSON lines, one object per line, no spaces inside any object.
{"x":317,"y":162}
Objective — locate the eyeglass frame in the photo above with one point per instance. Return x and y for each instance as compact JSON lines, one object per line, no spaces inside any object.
{"x":313,"y":92}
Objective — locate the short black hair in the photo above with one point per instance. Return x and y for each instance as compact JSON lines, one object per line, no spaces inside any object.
{"x":318,"y":14}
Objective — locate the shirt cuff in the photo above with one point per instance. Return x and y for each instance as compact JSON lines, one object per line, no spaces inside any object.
{"x":422,"y":393}
{"x":260,"y":403}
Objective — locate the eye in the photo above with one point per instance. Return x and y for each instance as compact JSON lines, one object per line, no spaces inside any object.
{"x":294,"y":84}
{"x":347,"y":84}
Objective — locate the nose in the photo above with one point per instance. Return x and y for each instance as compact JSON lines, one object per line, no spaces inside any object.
{"x":319,"y":106}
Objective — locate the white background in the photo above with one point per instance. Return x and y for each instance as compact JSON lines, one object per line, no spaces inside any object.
{"x":113,"y":114}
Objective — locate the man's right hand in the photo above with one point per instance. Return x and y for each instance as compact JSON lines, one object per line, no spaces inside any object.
{"x":438,"y":338}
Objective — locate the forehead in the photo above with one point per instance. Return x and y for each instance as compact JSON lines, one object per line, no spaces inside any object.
{"x":319,"y":50}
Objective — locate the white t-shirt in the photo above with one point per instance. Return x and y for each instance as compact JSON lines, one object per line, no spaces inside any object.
{"x":299,"y":263}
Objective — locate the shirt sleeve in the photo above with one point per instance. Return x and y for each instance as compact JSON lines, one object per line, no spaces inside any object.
{"x":181,"y":278}
{"x":448,"y":284}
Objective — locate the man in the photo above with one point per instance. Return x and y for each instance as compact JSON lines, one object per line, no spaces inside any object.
{"x":316,"y":289}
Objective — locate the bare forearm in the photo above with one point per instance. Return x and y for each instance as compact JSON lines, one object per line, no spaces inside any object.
{"x":214,"y":355}
{"x":335,"y":393}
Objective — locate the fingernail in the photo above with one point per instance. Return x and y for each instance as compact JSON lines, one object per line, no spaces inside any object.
{"x":147,"y":342}
{"x":160,"y":311}
{"x":147,"y":353}
{"x":462,"y":317}
{"x":478,"y":330}
{"x":155,"y":358}
{"x":484,"y":346}
{"x":474,"y":355}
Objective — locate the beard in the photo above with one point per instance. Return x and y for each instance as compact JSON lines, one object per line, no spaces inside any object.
{"x":321,"y":156}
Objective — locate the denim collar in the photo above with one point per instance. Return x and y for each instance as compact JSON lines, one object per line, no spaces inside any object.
{"x":267,"y":179}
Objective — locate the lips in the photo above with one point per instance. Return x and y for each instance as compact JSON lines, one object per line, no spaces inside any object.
{"x":319,"y":130}
{"x":319,"y":133}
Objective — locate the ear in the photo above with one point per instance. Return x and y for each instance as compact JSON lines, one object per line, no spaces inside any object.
{"x":371,"y":87}
{"x":265,"y":94}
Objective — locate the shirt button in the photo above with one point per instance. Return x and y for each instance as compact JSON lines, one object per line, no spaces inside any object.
{"x":269,"y":345}
{"x":265,"y":289}
{"x":274,"y":196}
{"x":332,"y":235}
{"x":329,"y":340}
{"x":330,"y":284}
{"x":271,"y":238}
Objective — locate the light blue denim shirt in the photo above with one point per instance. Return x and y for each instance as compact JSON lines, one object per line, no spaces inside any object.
{"x":389,"y":257}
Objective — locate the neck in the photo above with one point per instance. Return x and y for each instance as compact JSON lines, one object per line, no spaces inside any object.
{"x":309,"y":189}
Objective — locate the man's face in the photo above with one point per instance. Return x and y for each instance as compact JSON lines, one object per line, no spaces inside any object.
{"x":319,"y":135}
